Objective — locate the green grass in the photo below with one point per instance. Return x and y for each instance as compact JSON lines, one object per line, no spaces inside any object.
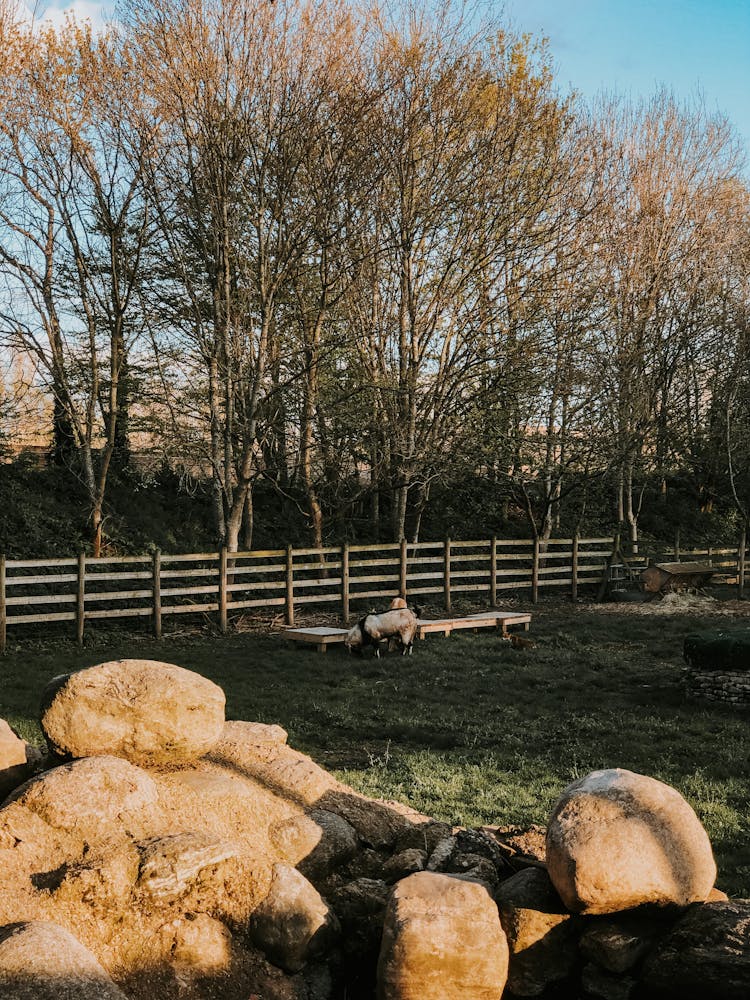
{"x":467,"y":729}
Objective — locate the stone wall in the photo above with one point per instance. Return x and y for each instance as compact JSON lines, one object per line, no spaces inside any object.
{"x":718,"y":665}
{"x":729,"y":686}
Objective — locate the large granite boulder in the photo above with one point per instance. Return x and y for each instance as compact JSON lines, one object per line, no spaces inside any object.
{"x":41,"y":961}
{"x":88,"y":797}
{"x":442,"y":940}
{"x":617,"y":840}
{"x":147,"y":712}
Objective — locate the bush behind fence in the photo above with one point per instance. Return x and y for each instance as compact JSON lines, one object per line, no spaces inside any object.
{"x":82,"y":590}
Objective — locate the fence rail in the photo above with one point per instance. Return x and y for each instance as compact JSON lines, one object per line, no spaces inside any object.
{"x":83,"y":589}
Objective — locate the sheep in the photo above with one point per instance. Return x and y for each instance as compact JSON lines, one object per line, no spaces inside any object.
{"x":398,"y":623}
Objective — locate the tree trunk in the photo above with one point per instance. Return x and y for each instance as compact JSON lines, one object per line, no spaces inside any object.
{"x":64,"y":446}
{"x":249,"y":518}
{"x":631,"y":514}
{"x":235,"y":517}
{"x":217,"y":465}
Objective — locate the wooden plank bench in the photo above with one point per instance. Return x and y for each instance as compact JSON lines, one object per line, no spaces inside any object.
{"x":322,"y":636}
{"x":485,"y":619}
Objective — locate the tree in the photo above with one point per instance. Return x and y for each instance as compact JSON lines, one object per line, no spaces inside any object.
{"x":666,"y":167}
{"x":73,"y":223}
{"x":469,"y":135}
{"x":243,"y":104}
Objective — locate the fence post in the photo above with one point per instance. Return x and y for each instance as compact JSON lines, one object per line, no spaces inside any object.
{"x":740,"y":564}
{"x":604,"y":585}
{"x":493,"y":571}
{"x":3,"y":611}
{"x":156,"y":583}
{"x":709,"y":554}
{"x":677,"y":544}
{"x":81,"y":597}
{"x":223,"y":588}
{"x":403,"y":557}
{"x":289,"y":585}
{"x":345,"y":582}
{"x":574,"y":568}
{"x":535,"y":573}
{"x":447,"y":574}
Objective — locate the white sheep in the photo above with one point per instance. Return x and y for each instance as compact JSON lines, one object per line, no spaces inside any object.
{"x":399,"y":623}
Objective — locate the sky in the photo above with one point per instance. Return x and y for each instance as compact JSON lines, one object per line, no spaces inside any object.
{"x":696,"y":48}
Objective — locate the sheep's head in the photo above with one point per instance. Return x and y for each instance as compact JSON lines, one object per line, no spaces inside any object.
{"x":354,"y":641}
{"x":397,"y":602}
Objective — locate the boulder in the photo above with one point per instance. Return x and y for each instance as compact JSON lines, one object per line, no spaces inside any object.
{"x":297,"y":777}
{"x":147,"y":712}
{"x":706,"y":955}
{"x":12,"y":747}
{"x":360,"y":906}
{"x":293,"y":924}
{"x":18,"y":759}
{"x":316,"y":842}
{"x":480,"y":844}
{"x":521,"y":847}
{"x":239,"y":733}
{"x":617,"y":944}
{"x":423,"y":834}
{"x":442,"y":854}
{"x":41,"y":961}
{"x":88,"y":797}
{"x":475,"y":868}
{"x":541,"y":933}
{"x":405,"y":863}
{"x":617,"y":840}
{"x":275,"y":765}
{"x":377,"y":823}
{"x":600,"y":985}
{"x":170,"y":865}
{"x":442,"y":940}
{"x":201,"y":945}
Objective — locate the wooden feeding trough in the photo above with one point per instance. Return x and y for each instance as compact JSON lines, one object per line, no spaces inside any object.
{"x":669,"y":578}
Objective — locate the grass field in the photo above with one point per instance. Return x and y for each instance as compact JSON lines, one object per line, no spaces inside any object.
{"x":468,"y":729}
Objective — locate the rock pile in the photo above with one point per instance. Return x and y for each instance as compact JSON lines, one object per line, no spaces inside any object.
{"x":161,"y":852}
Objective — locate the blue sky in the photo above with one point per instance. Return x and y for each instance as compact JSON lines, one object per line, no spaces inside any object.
{"x":632,"y":47}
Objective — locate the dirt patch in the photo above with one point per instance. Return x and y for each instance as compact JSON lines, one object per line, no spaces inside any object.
{"x":676,"y":604}
{"x":522,"y":847}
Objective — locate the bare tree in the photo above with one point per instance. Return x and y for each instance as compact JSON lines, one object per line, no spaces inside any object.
{"x":242,"y":91}
{"x":665,"y":168}
{"x":72,"y":226}
{"x":468,"y":132}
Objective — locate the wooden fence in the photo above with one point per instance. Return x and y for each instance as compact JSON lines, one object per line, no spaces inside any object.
{"x":81,"y":590}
